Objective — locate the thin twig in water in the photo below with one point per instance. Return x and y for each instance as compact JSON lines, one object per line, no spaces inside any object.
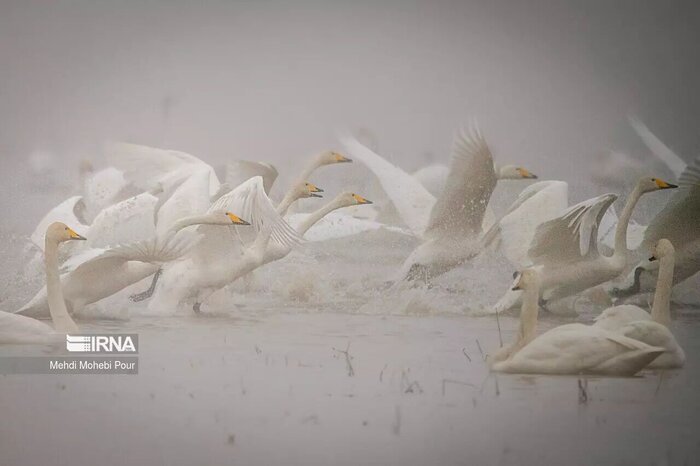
{"x":480,"y":350}
{"x":381,"y":374}
{"x":498,"y":323}
{"x":348,"y":359}
{"x":464,"y":352}
{"x":582,"y":391}
{"x":658,"y":386}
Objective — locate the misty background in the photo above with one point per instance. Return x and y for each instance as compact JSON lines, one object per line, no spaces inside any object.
{"x":550,"y":82}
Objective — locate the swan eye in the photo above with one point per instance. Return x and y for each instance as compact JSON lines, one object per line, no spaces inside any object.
{"x":654,"y":180}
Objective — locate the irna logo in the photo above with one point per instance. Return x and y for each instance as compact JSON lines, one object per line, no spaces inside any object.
{"x":102,"y":343}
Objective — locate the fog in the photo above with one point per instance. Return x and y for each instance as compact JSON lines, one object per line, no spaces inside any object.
{"x":550,"y":83}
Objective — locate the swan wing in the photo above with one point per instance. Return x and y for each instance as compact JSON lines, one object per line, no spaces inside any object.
{"x":572,"y":235}
{"x":433,"y":177}
{"x":149,"y":167}
{"x":672,"y":161}
{"x":242,"y":170}
{"x":411,"y":199}
{"x":679,"y":220}
{"x":536,"y":204}
{"x":339,"y":225}
{"x":103,"y":188}
{"x":250,"y":202}
{"x":190,"y":197}
{"x":460,"y":209}
{"x":124,"y":222}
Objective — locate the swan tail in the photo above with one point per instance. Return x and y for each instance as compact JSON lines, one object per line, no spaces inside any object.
{"x":137,"y":298}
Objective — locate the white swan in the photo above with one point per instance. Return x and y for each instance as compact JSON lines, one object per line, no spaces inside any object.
{"x":109,"y":271}
{"x":568,"y":349}
{"x":20,"y":329}
{"x":413,"y":201}
{"x":433,"y":177}
{"x":223,"y":255}
{"x":565,"y":249}
{"x":652,"y":329}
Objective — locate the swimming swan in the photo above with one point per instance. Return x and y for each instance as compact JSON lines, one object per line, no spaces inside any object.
{"x":652,"y":329}
{"x":20,"y":329}
{"x":568,"y":349}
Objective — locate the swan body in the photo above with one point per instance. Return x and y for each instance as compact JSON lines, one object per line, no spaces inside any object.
{"x":21,"y":329}
{"x":433,"y":177}
{"x":221,"y":256}
{"x":568,"y":349}
{"x":653,"y":329}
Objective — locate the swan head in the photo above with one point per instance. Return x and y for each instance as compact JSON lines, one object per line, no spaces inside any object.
{"x":512,"y":172}
{"x":60,"y":233}
{"x":348,"y":199}
{"x":310,"y":190}
{"x":235,"y":219}
{"x":331,"y":157}
{"x":528,"y":278}
{"x":663,"y":248}
{"x":648,"y":185}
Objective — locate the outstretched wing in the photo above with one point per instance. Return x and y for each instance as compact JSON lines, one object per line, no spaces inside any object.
{"x":679,"y":220}
{"x":672,"y":161}
{"x":572,"y":235}
{"x":149,"y":167}
{"x":411,"y":199}
{"x":240,"y":171}
{"x":536,"y":204}
{"x":460,"y":208}
{"x":250,"y":202}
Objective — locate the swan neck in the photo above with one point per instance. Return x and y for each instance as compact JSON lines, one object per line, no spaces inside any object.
{"x":314,"y":217}
{"x":289,"y":198}
{"x":661,"y":309}
{"x":193,"y":220}
{"x":528,"y":315}
{"x":62,"y":321}
{"x":624,"y":220}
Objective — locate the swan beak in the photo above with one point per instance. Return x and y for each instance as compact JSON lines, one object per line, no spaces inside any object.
{"x":236,"y":219}
{"x":515,"y":288}
{"x":313,"y":189}
{"x":74,"y":235}
{"x":361,"y":200}
{"x":526,"y":174}
{"x":664,"y":185}
{"x":341,"y":158}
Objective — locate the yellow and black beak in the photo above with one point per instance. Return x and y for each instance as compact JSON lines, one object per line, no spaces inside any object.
{"x":341,"y":158}
{"x":361,"y":200}
{"x":516,"y":285}
{"x":313,"y":190}
{"x":236,"y":220}
{"x":526,"y":174}
{"x":664,"y":185}
{"x":75,"y":236}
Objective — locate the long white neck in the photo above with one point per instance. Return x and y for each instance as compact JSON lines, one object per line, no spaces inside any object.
{"x":528,"y":315}
{"x":289,"y":198}
{"x":661,"y":309}
{"x":57,"y":306}
{"x":318,"y":215}
{"x":310,"y":168}
{"x":185,"y":222}
{"x":624,"y":221}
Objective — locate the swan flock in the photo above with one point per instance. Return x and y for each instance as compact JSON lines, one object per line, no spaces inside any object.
{"x":162,"y":227}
